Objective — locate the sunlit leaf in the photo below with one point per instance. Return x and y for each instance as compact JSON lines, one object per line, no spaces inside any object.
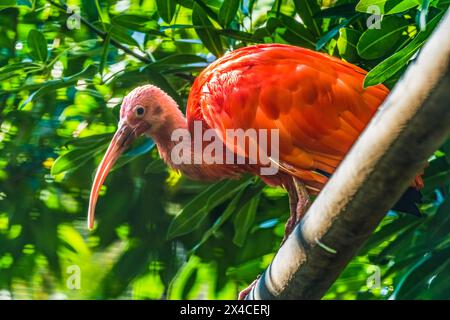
{"x":193,"y":214}
{"x":228,"y":12}
{"x":231,"y":208}
{"x":10,"y":69}
{"x":105,"y":53}
{"x":385,"y":6}
{"x":75,"y":158}
{"x":375,"y":43}
{"x":346,"y":43}
{"x":296,"y":29}
{"x":122,"y":35}
{"x":209,"y":36}
{"x":166,"y":9}
{"x":136,"y":22}
{"x":398,"y":60}
{"x":176,"y":60}
{"x":334,"y":31}
{"x":307,"y":10}
{"x":244,"y":219}
{"x":50,"y":86}
{"x":38,"y":45}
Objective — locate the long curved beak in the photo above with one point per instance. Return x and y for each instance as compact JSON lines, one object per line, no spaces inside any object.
{"x":121,"y":140}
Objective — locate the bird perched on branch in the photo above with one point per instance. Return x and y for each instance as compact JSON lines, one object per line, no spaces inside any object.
{"x":315,"y":103}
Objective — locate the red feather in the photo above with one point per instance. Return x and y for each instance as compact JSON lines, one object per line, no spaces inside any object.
{"x":317,"y":102}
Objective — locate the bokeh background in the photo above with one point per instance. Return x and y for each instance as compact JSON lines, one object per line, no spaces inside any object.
{"x":159,"y":235}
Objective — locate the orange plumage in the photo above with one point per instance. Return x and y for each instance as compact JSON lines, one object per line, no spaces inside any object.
{"x":317,"y":102}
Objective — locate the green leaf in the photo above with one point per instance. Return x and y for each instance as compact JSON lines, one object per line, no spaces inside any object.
{"x":209,"y":12}
{"x":166,"y":9}
{"x":276,"y":7}
{"x":156,"y":166}
{"x":135,"y":22}
{"x":20,"y":66}
{"x":209,"y":36}
{"x":38,"y":45}
{"x":122,"y":35}
{"x":87,"y":148}
{"x":385,"y":6}
{"x":75,"y":158}
{"x":193,"y":214}
{"x":273,"y":23}
{"x":53,"y":85}
{"x":424,"y":13}
{"x":186,"y":3}
{"x":177,"y":59}
{"x":346,"y":43}
{"x":416,"y":279}
{"x":231,"y":208}
{"x":8,"y":3}
{"x":15,"y":3}
{"x":307,"y":10}
{"x":388,"y":67}
{"x":228,"y":12}
{"x":104,"y":53}
{"x":189,"y":284}
{"x":334,"y":31}
{"x":375,"y":43}
{"x":442,"y":4}
{"x":88,"y":142}
{"x":142,"y":148}
{"x":304,"y":35}
{"x":244,"y":220}
{"x":390,"y":231}
{"x":446,"y":149}
{"x":340,"y":11}
{"x":240,"y":35}
{"x":440,"y":223}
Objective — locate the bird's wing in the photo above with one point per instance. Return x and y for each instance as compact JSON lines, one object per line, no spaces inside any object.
{"x":317,"y":103}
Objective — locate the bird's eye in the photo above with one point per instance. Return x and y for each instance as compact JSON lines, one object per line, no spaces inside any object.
{"x":139,"y":111}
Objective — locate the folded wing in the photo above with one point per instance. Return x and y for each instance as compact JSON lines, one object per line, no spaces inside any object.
{"x":317,"y":103}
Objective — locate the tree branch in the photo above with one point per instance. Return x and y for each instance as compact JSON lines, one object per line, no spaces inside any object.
{"x":103,"y":34}
{"x":411,"y":124}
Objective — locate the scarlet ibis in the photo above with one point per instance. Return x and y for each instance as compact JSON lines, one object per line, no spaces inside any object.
{"x":317,"y":103}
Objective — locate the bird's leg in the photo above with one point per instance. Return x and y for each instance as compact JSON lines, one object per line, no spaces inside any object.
{"x":293,"y":200}
{"x":304,"y":202}
{"x":299,"y":203}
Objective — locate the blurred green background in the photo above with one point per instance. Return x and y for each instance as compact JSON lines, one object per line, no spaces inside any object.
{"x":62,"y":82}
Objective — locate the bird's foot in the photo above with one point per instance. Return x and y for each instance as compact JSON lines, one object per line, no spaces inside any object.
{"x":289,"y":227}
{"x":299,"y":203}
{"x":247,"y":290}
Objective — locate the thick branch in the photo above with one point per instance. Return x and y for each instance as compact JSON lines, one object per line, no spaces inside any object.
{"x":411,"y":124}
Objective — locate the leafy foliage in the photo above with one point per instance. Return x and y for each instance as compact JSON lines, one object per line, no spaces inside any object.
{"x":160,"y":235}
